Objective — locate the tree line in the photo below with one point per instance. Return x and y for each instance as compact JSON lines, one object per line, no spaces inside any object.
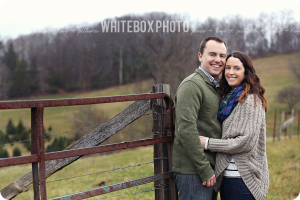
{"x":78,"y":59}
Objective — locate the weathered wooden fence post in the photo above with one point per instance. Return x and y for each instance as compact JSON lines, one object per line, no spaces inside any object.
{"x":285,"y":118}
{"x":164,"y":189}
{"x":298,"y":122}
{"x":291,"y":127}
{"x":274,"y":130}
{"x":280,"y":126}
{"x":284,"y":124}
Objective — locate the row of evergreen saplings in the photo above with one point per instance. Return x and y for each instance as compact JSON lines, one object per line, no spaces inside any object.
{"x":18,"y":133}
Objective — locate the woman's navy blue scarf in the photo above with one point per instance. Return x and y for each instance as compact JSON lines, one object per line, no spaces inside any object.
{"x":229,"y":102}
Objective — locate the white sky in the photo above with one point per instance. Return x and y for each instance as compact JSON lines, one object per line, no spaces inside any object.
{"x":26,"y":16}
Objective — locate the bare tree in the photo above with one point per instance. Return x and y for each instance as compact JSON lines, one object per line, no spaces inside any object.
{"x":236,"y":38}
{"x":295,"y":67}
{"x":256,"y":39}
{"x":171,"y":55}
{"x":87,"y":116}
{"x":290,"y":96}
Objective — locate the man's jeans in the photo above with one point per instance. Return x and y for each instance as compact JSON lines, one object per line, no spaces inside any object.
{"x":190,"y":187}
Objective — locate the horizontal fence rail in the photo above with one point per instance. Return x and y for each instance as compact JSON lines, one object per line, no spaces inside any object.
{"x":115,"y":187}
{"x":80,"y":152}
{"x":38,"y":156}
{"x":81,"y":101}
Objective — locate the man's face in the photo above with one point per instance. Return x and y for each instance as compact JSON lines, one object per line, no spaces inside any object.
{"x":213,"y":58}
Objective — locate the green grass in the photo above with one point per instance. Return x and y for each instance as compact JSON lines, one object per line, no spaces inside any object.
{"x":93,"y":164}
{"x":60,"y":118}
{"x":274,"y":74}
{"x":283,"y":161}
{"x":284,"y":169}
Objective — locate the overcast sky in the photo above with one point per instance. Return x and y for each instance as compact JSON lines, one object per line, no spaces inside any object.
{"x":26,"y":16}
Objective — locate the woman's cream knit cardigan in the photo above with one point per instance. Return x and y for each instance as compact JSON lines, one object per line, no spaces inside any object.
{"x":244,"y":139}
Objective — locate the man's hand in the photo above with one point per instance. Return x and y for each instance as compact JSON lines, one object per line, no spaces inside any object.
{"x":210,"y":182}
{"x":202,"y":140}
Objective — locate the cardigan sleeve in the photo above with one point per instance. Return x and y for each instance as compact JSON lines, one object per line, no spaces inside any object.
{"x":243,"y":131}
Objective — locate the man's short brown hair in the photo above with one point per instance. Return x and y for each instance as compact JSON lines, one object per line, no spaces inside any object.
{"x":205,"y":40}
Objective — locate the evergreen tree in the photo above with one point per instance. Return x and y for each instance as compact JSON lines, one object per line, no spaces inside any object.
{"x":3,"y":153}
{"x":21,"y":132}
{"x":4,"y":138}
{"x":24,"y":135}
{"x":10,"y":128}
{"x":33,"y":74}
{"x":21,"y":84}
{"x":48,"y":138}
{"x":58,"y":144}
{"x":1,"y":45}
{"x":16,"y":152}
{"x":55,"y":82}
{"x":10,"y":58}
{"x":50,"y":129}
{"x":20,"y":127}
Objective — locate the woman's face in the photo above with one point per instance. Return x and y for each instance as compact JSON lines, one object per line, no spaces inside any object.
{"x":234,"y":72}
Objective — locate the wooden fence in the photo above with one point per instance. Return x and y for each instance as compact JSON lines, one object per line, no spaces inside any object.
{"x":285,"y":122}
{"x":163,"y":127}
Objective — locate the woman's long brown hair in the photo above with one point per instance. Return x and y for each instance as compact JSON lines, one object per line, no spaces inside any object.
{"x":251,"y":80}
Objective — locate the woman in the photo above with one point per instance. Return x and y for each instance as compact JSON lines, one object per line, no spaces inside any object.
{"x":241,"y":163}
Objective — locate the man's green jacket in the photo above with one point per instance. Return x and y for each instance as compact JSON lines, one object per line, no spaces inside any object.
{"x":196,"y":109}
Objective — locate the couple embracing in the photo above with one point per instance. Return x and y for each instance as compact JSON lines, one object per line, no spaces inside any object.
{"x":220,"y":128}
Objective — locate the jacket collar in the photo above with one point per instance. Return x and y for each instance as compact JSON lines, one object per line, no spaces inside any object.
{"x":205,"y":78}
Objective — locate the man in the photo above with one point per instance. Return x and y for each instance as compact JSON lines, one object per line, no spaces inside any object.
{"x":197,"y":104}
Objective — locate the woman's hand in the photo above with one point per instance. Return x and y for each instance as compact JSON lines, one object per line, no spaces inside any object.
{"x":202,"y":140}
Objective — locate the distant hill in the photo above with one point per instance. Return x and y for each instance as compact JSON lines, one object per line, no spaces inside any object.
{"x":273,"y":72}
{"x":275,"y":75}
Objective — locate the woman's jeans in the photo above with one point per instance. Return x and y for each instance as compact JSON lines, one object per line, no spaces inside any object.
{"x":235,"y":189}
{"x":190,"y":188}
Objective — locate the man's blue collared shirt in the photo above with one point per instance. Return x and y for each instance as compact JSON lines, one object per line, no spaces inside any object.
{"x":215,"y":82}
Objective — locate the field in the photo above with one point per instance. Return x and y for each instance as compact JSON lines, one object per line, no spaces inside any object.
{"x":61,"y":118}
{"x":283,"y":156}
{"x":283,"y":161}
{"x":274,"y":74}
{"x":284,"y":166}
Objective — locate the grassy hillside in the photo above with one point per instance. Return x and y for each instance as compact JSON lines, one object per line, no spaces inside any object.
{"x":273,"y":71}
{"x":275,"y":75}
{"x":284,"y":166}
{"x":93,"y":164}
{"x":61,"y":118}
{"x":283,"y":157}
